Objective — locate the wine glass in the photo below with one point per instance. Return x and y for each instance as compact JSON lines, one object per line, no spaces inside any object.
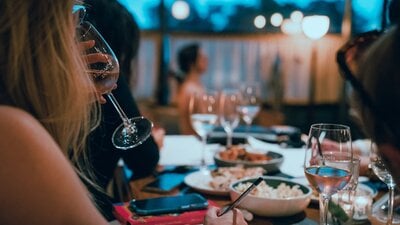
{"x":249,"y":104}
{"x":203,"y":117}
{"x":103,"y":68}
{"x":328,"y":162}
{"x":230,"y":101}
{"x":382,"y":172}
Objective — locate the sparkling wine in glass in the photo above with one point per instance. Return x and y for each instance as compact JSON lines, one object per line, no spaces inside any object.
{"x":328,"y":162}
{"x":229,"y":114}
{"x":249,"y":104}
{"x":103,"y":68}
{"x":381,"y":171}
{"x":203,"y":116}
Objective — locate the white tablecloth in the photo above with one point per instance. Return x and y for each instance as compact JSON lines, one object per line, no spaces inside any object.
{"x":187,"y":150}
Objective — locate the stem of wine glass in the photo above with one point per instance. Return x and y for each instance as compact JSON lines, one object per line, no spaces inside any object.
{"x":248,"y":124}
{"x":390,"y":204}
{"x":229,"y":139}
{"x":203,"y":164}
{"x":121,"y":113}
{"x":323,"y":205}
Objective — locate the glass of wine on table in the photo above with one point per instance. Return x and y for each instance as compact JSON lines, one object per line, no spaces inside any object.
{"x":328,"y":162}
{"x":203,"y":117}
{"x":250,"y":104}
{"x":103,"y":67}
{"x":382,"y":172}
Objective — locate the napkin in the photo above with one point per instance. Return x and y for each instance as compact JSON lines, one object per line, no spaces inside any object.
{"x":185,"y":150}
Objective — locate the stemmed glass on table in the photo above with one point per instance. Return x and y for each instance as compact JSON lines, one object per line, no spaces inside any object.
{"x":249,"y":104}
{"x":103,"y":68}
{"x":328,"y":162}
{"x":230,"y":101}
{"x":382,"y":172}
{"x":203,"y":109}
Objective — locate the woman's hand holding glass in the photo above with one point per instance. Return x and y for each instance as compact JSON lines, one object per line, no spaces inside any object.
{"x":103,"y":68}
{"x":328,"y":170}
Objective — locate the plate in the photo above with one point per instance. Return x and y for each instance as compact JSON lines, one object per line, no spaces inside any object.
{"x":314,"y":196}
{"x":271,"y":166}
{"x":200,"y":180}
{"x":363,"y":187}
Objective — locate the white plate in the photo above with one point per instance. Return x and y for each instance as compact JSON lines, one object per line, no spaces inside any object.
{"x":200,"y":180}
{"x":314,"y":197}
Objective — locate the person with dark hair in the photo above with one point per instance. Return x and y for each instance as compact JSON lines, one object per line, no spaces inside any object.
{"x":143,"y":158}
{"x":121,"y":31}
{"x":192,"y":63}
{"x":377,"y":95}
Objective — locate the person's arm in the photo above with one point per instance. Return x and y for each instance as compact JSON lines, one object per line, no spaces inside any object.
{"x":183,"y":100}
{"x":142,"y":159}
{"x":38,"y":184}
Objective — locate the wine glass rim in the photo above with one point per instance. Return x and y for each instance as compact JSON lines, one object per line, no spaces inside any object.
{"x":80,"y":11}
{"x":329,"y":126}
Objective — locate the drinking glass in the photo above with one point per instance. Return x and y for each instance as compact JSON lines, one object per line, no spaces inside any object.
{"x":345,"y":198}
{"x":229,"y":115}
{"x":103,"y":68}
{"x":203,"y":116}
{"x":249,"y":104}
{"x":328,"y":162}
{"x":382,"y":172}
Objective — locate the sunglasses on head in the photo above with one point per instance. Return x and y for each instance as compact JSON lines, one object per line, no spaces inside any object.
{"x":358,"y":45}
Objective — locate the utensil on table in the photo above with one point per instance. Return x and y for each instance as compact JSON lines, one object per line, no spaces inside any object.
{"x":241,"y":197}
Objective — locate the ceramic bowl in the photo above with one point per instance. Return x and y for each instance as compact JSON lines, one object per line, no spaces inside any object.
{"x":273,"y":206}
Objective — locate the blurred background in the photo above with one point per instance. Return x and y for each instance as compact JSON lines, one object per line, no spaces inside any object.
{"x":261,"y":41}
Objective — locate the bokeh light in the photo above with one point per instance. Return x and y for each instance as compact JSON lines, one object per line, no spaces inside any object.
{"x":180,"y":10}
{"x":289,"y":27}
{"x":276,"y":19}
{"x":296,"y":16}
{"x":260,"y":21}
{"x":315,"y":27}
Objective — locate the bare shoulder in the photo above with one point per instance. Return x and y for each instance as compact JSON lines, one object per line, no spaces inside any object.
{"x":24,"y":141}
{"x":35,"y":172}
{"x":12,"y":118}
{"x":19,"y":128}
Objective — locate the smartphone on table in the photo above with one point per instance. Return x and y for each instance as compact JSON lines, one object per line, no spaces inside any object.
{"x":168,"y":204}
{"x":165,"y":182}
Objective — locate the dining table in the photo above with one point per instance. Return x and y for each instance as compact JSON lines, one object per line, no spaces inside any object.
{"x":186,"y":150}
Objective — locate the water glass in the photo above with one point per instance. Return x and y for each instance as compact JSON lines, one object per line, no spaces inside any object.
{"x":342,"y":204}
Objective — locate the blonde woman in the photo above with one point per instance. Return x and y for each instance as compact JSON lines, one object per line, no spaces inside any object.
{"x":46,"y":103}
{"x":46,"y":112}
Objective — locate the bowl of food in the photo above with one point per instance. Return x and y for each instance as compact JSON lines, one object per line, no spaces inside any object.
{"x":240,"y":155}
{"x":273,"y":197}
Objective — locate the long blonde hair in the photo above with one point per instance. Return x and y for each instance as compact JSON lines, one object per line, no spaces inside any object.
{"x":41,"y":70}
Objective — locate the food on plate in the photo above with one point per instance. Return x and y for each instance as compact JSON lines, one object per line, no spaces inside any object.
{"x":224,"y":176}
{"x":239,"y":152}
{"x":265,"y":191}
